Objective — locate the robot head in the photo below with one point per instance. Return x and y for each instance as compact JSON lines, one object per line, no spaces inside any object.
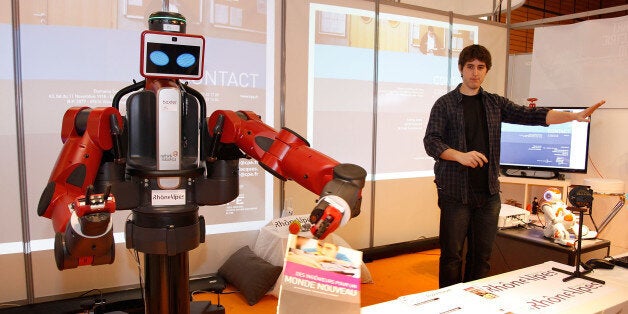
{"x":552,"y":195}
{"x":167,"y":52}
{"x":171,"y":55}
{"x":167,"y":22}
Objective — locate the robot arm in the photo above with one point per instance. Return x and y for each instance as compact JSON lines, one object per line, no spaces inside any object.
{"x":80,"y":218}
{"x":288,"y":156}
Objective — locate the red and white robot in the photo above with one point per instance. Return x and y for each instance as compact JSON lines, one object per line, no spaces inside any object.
{"x":166,"y":158}
{"x":560,"y":222}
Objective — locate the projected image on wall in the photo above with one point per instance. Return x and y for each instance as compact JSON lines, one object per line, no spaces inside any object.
{"x":56,"y":75}
{"x":412,"y":72}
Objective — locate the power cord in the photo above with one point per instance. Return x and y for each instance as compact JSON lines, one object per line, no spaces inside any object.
{"x":540,"y":220}
{"x":136,"y":257}
{"x":524,"y":223}
{"x":213,"y":308}
{"x":88,"y":306}
{"x":501,"y":254}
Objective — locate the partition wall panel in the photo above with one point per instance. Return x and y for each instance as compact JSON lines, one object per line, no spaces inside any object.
{"x":411,"y":76}
{"x":11,"y":244}
{"x":329,"y":93}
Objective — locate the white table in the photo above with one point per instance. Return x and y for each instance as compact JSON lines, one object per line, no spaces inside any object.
{"x":535,"y":289}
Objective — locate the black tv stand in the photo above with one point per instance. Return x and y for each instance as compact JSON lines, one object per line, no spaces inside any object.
{"x":533,"y":174}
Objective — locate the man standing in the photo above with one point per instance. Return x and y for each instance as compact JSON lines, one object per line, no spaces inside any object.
{"x":463,"y":136}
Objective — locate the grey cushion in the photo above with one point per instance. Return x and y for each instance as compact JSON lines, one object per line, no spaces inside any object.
{"x":249,"y":273}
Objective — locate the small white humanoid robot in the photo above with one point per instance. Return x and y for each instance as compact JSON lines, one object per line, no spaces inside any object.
{"x":560,"y":222}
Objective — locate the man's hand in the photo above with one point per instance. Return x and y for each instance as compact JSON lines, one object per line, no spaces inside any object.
{"x":557,"y":116}
{"x":583,"y":116}
{"x":472,"y":159}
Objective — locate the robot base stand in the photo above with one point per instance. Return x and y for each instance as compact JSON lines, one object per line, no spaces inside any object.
{"x":166,"y":290}
{"x":577,"y":273}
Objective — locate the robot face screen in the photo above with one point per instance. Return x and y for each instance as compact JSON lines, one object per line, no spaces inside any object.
{"x":172,"y":55}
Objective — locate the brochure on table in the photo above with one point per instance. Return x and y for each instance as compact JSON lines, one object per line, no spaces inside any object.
{"x":315,"y":281}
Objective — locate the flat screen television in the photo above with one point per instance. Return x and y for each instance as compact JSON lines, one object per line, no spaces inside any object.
{"x":545,"y":152}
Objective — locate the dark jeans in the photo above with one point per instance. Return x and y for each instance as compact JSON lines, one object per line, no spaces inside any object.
{"x":477,"y":223}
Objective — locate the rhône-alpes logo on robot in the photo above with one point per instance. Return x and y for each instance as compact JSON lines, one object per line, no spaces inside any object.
{"x":171,"y":196}
{"x":168,"y":197}
{"x":170,"y":157}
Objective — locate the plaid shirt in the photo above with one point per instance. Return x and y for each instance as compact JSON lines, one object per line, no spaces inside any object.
{"x":445,"y":129}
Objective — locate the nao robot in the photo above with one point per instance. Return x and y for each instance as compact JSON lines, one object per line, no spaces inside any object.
{"x":560,"y":222}
{"x":166,"y":158}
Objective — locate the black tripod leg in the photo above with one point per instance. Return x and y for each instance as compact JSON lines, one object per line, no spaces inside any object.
{"x":577,"y":273}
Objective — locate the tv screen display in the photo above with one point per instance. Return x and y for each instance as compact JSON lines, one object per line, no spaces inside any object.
{"x":555,"y":148}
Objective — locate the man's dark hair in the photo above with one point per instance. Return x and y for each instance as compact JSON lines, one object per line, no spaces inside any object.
{"x":473,"y":52}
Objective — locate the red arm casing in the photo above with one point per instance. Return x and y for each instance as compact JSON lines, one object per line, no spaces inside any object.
{"x":284,"y":153}
{"x":289,"y":157}
{"x":79,"y":160}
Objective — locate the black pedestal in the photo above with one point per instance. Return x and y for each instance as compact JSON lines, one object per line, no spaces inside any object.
{"x":578,"y":273}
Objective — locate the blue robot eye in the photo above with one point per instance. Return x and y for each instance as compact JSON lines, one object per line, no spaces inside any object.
{"x":159,"y":58}
{"x":186,"y":60}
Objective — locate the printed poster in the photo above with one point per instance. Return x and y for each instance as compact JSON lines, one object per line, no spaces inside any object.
{"x":319,"y":277}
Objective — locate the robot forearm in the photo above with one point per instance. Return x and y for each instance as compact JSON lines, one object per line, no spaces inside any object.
{"x":288,"y":156}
